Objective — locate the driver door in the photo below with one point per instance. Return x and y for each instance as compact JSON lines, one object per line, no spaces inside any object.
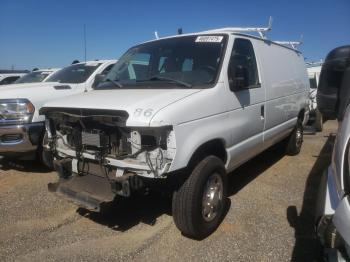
{"x":247,"y":102}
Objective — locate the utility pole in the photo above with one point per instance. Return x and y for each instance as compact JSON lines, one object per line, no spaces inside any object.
{"x":85,"y":42}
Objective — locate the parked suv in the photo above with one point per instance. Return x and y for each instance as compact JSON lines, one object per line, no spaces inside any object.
{"x":178,"y":114}
{"x":21,"y":126}
{"x":333,"y":216}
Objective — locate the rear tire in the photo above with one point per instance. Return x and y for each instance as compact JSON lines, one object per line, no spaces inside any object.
{"x":295,"y":140}
{"x":318,"y":125}
{"x":198,"y":206}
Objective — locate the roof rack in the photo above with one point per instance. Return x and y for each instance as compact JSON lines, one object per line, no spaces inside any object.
{"x":260,"y":30}
{"x":317,"y":63}
{"x":293,"y":44}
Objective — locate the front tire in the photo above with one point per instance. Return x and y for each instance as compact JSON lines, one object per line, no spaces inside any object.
{"x":318,"y":125}
{"x":198,"y":206}
{"x":295,"y":140}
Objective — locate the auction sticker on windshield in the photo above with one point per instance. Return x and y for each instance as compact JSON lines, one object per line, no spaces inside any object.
{"x":209,"y":38}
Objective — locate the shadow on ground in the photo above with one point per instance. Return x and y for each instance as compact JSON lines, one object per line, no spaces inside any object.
{"x":127,"y":213}
{"x":306,"y":248}
{"x":146,"y":209}
{"x":246,"y":173}
{"x":23,"y":165}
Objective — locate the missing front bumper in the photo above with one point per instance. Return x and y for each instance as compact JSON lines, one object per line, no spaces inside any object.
{"x":93,"y":189}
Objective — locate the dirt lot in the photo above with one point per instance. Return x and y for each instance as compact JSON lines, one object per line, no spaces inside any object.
{"x":270,"y":217}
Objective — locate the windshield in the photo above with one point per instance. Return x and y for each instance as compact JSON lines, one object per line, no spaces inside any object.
{"x":33,"y":77}
{"x":74,"y":74}
{"x":190,"y":61}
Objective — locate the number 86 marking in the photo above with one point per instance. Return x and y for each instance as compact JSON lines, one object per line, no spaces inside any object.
{"x":146,"y":113}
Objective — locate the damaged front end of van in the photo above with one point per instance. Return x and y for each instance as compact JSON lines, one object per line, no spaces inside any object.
{"x":98,"y":157}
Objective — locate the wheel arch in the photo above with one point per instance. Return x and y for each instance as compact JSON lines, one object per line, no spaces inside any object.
{"x":214,"y":147}
{"x":301,"y":114}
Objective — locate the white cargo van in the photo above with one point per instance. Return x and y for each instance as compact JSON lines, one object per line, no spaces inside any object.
{"x":315,"y":119}
{"x":179,"y":114}
{"x":21,"y":126}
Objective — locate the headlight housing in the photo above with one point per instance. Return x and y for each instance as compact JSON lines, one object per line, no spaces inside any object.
{"x":16,"y":110}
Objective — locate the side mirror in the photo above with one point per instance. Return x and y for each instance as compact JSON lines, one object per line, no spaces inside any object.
{"x":98,"y":79}
{"x":238,"y":77}
{"x":333,"y":94}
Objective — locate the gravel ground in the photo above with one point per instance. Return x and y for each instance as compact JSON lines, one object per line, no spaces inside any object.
{"x":270,"y":218}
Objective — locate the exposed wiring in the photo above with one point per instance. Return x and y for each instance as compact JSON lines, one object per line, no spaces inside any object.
{"x":149,"y":163}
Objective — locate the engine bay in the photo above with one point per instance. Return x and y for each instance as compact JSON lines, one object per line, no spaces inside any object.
{"x":105,"y":139}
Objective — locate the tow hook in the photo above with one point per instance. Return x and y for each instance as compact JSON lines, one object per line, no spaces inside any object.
{"x":126,"y":184}
{"x":63,"y":167}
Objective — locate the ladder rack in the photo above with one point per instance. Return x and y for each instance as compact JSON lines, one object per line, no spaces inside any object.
{"x":260,"y":30}
{"x":293,"y":44}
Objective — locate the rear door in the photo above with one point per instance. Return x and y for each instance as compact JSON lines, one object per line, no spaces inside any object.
{"x":247,"y":102}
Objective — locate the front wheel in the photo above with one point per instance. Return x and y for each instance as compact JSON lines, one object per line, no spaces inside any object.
{"x":198,"y":206}
{"x":295,"y":139}
{"x":318,"y":121}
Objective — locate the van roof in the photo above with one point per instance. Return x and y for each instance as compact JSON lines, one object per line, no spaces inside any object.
{"x":227,"y":31}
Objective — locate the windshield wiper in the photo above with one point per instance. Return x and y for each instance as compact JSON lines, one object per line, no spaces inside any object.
{"x":116,"y":83}
{"x":164,"y":78}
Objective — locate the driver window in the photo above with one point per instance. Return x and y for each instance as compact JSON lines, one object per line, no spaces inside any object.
{"x":243,"y":71}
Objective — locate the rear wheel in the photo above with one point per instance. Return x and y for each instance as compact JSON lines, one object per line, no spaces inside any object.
{"x":318,"y":121}
{"x":295,"y":139}
{"x":198,"y":206}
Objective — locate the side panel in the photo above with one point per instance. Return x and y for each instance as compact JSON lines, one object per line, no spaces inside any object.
{"x":287,"y":86}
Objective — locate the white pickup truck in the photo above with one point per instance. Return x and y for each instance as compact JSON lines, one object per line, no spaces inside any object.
{"x":10,"y":76}
{"x":178,"y":114}
{"x":36,"y":76}
{"x":21,"y":126}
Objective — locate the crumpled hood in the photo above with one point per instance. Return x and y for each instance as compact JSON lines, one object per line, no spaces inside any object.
{"x":140,"y":104}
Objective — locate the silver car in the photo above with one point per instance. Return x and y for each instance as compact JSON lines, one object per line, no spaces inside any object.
{"x":333,"y":216}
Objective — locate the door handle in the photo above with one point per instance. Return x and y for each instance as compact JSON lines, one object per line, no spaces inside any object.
{"x":262,"y":112}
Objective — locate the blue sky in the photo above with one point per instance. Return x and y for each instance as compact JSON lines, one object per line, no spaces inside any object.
{"x":50,"y":33}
